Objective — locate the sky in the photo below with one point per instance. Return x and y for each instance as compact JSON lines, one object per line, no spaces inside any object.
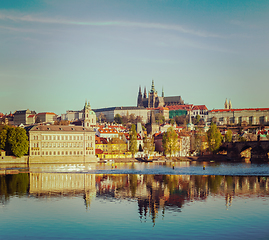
{"x":55,"y":54}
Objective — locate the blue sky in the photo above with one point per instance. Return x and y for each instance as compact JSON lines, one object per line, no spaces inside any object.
{"x":56,"y":54}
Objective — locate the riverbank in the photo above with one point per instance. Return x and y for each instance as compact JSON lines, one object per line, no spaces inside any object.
{"x":205,"y":158}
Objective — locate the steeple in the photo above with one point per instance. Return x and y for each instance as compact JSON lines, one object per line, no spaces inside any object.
{"x":226,"y":104}
{"x":152,"y":87}
{"x":139,"y":98}
{"x":162,"y":92}
{"x":230,"y":104}
{"x":145,"y":93}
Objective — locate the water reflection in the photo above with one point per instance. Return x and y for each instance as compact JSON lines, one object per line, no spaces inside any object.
{"x":154,"y":193}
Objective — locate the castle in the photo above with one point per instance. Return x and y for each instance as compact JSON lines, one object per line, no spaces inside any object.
{"x":155,"y":101}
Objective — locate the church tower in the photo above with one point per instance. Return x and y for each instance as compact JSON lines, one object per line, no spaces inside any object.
{"x":152,"y":96}
{"x":226,"y":104}
{"x":145,"y":93}
{"x":230,"y":104}
{"x":139,"y":98}
{"x":89,"y":116}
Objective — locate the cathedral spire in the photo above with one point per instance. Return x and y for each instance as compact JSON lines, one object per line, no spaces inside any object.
{"x":162,"y":92}
{"x":145,"y":93}
{"x":226,"y":104}
{"x":139,"y":98}
{"x":152,"y":87}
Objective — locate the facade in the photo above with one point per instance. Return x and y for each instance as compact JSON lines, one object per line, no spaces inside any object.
{"x":188,"y":109}
{"x":22,"y":116}
{"x":72,"y":115}
{"x":57,"y":143}
{"x":116,"y":148}
{"x":47,"y":117}
{"x":110,"y":113}
{"x":236,"y":116}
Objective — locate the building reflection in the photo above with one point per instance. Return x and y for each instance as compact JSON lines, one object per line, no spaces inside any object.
{"x":154,"y":194}
{"x":63,"y":184}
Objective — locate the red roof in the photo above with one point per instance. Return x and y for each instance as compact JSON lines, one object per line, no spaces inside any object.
{"x":199,"y":107}
{"x":239,"y":109}
{"x":99,"y":151}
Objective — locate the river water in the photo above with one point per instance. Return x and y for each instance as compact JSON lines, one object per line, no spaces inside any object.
{"x":135,"y":200}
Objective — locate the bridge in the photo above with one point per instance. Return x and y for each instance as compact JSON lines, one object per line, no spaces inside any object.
{"x":253,"y":150}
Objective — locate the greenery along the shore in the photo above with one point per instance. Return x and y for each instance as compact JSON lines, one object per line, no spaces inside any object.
{"x":14,"y":140}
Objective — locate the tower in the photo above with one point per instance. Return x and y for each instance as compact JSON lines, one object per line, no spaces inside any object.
{"x":139,"y":98}
{"x":89,"y":116}
{"x":152,"y":96}
{"x":226,"y":104}
{"x":145,"y":93}
{"x":230,"y":104}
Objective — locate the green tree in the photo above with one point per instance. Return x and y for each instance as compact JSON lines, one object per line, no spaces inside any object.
{"x":214,"y":138}
{"x":3,"y":137}
{"x":133,"y":140}
{"x":198,"y":140}
{"x":118,"y":119}
{"x":197,"y":119}
{"x":228,"y":136}
{"x":148,"y":145}
{"x":18,"y":141}
{"x":170,"y":142}
{"x":159,"y":118}
{"x":172,"y":121}
{"x":180,"y":120}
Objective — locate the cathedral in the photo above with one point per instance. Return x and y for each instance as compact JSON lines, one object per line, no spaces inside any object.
{"x":152,"y":100}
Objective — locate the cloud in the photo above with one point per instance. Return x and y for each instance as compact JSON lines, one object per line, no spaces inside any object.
{"x":128,"y":24}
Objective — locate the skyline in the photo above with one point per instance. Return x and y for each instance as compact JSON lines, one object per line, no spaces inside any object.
{"x":54,"y":55}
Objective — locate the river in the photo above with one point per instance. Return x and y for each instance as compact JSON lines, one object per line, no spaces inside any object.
{"x":186,"y":200}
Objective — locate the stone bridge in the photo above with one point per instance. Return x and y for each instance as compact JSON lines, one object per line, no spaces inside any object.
{"x":254,"y":150}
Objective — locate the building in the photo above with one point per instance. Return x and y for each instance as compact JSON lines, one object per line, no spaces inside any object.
{"x":58,"y":143}
{"x":188,"y":109}
{"x":46,"y":117}
{"x":25,"y":117}
{"x":71,"y":115}
{"x":111,"y":112}
{"x":251,"y":116}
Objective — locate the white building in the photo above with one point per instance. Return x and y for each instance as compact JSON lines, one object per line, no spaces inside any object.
{"x":57,"y":143}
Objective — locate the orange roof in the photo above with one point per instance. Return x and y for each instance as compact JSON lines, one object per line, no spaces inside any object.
{"x":48,"y":113}
{"x":100,"y":140}
{"x":107,"y":130}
